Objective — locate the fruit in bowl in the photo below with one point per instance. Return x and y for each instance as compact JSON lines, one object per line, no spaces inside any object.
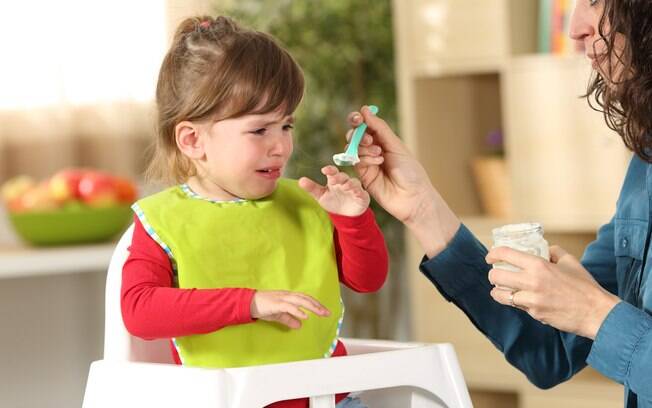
{"x":72,"y":206}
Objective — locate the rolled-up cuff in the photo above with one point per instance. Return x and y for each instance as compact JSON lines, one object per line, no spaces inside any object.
{"x":617,"y":341}
{"x":459,"y":266}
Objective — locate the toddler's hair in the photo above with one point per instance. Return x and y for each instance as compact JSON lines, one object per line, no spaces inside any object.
{"x":216,"y":69}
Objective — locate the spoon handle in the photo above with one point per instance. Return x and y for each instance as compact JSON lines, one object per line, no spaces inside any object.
{"x":352,"y":150}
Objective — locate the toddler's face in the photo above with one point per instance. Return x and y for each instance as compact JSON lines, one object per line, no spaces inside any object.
{"x":245,"y":156}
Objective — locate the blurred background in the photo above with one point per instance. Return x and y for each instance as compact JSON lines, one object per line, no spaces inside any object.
{"x":486,"y":93}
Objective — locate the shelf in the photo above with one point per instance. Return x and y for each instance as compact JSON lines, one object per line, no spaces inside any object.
{"x":433,"y":69}
{"x":436,"y":33}
{"x":436,"y":68}
{"x":21,"y":262}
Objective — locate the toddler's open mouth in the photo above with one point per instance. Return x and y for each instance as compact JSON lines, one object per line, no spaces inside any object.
{"x":272,"y":172}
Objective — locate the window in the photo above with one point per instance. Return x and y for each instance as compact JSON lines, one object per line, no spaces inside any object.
{"x":79,"y":51}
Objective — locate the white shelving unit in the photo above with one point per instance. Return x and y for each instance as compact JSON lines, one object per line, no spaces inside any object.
{"x":26,"y":262}
{"x":52,"y":314}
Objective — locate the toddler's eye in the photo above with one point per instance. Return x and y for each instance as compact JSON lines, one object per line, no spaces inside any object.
{"x":593,"y":2}
{"x":260,"y":131}
{"x":288,"y":127}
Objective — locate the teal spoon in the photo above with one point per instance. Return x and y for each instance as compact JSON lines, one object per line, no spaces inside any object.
{"x":350,"y":156}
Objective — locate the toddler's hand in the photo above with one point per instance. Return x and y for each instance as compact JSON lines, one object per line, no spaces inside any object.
{"x":341,"y":195}
{"x":285,"y":307}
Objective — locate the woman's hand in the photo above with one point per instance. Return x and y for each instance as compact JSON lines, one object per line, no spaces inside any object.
{"x":400,"y":184}
{"x":560,"y":293}
{"x":341,"y":195}
{"x":388,"y":171}
{"x":284,"y":307}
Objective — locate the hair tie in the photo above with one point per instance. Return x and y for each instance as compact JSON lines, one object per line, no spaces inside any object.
{"x":205,"y":24}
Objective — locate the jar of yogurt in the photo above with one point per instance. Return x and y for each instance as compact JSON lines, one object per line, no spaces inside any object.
{"x":526,"y":237}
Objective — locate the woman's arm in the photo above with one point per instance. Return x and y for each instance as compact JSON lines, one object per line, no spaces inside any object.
{"x":622,"y":349}
{"x":455,"y":263}
{"x":544,"y":354}
{"x":400,"y":184}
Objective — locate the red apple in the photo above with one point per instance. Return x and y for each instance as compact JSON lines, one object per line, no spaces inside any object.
{"x":127,"y":192}
{"x":16,"y":205}
{"x":98,"y":189}
{"x":64,"y":185}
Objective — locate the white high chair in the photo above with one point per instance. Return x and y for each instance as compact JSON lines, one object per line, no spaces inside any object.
{"x":137,"y":373}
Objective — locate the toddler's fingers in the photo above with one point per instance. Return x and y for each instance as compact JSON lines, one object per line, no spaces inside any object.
{"x":339,"y":178}
{"x":351,"y":185}
{"x":309,"y":303}
{"x":355,"y":183}
{"x":294,"y":311}
{"x":287,"y":320}
{"x":329,"y":170}
{"x":313,"y":188}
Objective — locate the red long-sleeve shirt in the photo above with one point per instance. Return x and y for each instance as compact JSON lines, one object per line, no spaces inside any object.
{"x":152,"y":308}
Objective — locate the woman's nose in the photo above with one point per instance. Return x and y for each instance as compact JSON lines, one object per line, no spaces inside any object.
{"x":581,"y":24}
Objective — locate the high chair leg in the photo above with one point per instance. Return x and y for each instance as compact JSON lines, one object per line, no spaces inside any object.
{"x":322,"y":401}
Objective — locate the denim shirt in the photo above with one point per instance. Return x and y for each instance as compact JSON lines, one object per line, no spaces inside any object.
{"x":622,"y":349}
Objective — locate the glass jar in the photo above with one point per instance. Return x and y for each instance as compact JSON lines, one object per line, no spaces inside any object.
{"x":526,"y":237}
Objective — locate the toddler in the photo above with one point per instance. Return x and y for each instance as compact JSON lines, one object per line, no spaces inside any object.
{"x":237,"y":265}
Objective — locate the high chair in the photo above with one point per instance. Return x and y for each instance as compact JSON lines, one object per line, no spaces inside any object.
{"x":137,"y":373}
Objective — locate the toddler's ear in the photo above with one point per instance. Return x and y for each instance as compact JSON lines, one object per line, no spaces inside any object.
{"x":186,"y":135}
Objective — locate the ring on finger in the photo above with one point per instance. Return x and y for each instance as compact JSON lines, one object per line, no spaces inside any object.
{"x":511,"y":298}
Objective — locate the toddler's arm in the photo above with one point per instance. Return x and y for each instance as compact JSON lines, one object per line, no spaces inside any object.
{"x":152,"y":308}
{"x":361,"y":252}
{"x":359,"y":244}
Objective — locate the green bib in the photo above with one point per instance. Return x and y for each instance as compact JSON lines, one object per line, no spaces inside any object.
{"x":281,"y":242}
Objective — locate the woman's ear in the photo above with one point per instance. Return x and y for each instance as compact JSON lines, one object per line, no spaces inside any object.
{"x":186,"y":134}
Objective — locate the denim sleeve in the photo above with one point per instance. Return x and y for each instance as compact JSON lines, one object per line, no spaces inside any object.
{"x":623,"y":349}
{"x":599,"y":258}
{"x":623,"y":346}
{"x":545,"y":355}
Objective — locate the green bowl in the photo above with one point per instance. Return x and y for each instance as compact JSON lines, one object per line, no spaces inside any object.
{"x":73,"y":225}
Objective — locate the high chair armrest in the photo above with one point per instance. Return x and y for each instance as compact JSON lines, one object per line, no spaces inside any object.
{"x":430,"y":368}
{"x":364,"y":346}
{"x":127,"y":384}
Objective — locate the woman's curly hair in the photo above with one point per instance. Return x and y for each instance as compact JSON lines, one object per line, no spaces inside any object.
{"x":623,"y":91}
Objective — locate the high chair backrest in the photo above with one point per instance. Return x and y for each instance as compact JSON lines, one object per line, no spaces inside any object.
{"x":119,"y":345}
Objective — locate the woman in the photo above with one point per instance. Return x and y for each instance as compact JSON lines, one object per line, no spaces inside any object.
{"x":563,"y":314}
